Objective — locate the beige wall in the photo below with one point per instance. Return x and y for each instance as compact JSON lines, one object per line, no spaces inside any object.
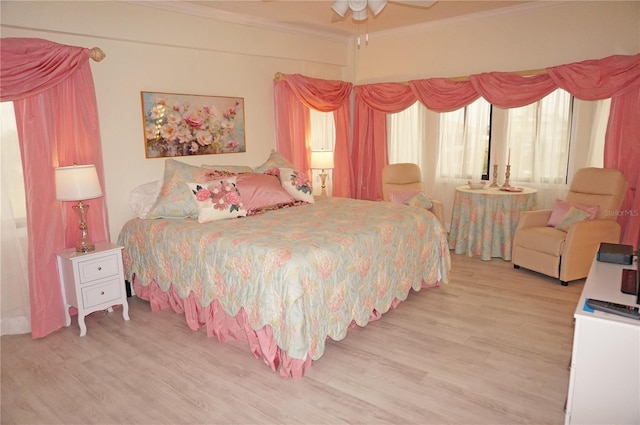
{"x":155,"y":50}
{"x":528,"y":37}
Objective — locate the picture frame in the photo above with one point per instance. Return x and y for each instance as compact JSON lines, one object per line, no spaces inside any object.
{"x":190,"y":124}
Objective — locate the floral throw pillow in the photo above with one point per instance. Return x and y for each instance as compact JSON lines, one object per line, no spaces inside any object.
{"x":175,"y":200}
{"x":275,"y":160}
{"x":419,"y":200}
{"x":217,"y":200}
{"x":574,"y":215}
{"x":561,"y":208}
{"x":297,"y":184}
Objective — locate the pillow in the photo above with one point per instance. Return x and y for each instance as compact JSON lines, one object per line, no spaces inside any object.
{"x":175,"y":199}
{"x":561,"y":208}
{"x":401,"y":196}
{"x":261,"y":192}
{"x":143,"y":197}
{"x":572,"y":216}
{"x":235,"y":169}
{"x":217,"y":199}
{"x":419,"y":200}
{"x":297,"y":184}
{"x":275,"y":160}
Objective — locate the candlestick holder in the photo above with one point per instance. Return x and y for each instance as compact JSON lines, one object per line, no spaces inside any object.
{"x":495,"y":176}
{"x":507,"y":174}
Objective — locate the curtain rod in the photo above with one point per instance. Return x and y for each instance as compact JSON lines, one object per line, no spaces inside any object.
{"x":526,"y":73}
{"x":279,"y":76}
{"x":97,"y":54}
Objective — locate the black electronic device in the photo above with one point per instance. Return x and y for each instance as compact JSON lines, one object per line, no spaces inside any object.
{"x":614,"y":308}
{"x":615,"y":253}
{"x":629,"y":284}
{"x":638,"y":271}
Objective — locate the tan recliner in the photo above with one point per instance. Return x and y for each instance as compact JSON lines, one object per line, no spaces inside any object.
{"x":568,"y":255}
{"x":407,"y":176}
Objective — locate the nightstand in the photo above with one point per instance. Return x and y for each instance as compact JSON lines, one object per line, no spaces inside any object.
{"x":92,"y":281}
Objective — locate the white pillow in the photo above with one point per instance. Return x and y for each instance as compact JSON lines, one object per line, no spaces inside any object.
{"x":143,"y":197}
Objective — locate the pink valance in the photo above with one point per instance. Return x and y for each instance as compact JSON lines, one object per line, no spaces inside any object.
{"x":598,"y":79}
{"x":57,"y":120}
{"x":292,"y":122}
{"x":506,"y":90}
{"x":444,"y":94}
{"x":616,"y":77}
{"x":31,"y":65}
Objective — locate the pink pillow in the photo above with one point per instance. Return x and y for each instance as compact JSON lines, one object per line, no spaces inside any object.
{"x":261,"y":191}
{"x":401,"y":196}
{"x":561,"y":208}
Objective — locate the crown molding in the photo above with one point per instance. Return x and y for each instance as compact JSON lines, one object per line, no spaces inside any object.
{"x":238,"y":18}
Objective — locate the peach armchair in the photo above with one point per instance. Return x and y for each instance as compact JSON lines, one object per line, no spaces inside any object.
{"x":567,"y":255}
{"x":407,"y":176}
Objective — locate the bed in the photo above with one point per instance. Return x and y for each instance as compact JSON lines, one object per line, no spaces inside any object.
{"x":287,"y":279}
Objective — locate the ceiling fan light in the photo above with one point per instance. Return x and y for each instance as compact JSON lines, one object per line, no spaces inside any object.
{"x":340,"y":7}
{"x":359,"y":15}
{"x":376,"y":6}
{"x":357,"y":5}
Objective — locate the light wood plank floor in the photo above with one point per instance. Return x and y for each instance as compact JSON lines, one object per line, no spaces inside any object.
{"x":491,"y":347}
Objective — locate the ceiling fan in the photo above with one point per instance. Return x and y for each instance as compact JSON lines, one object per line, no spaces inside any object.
{"x":359,"y":7}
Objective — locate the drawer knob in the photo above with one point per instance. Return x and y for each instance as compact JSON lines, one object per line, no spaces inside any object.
{"x":99,"y":268}
{"x":102,"y":293}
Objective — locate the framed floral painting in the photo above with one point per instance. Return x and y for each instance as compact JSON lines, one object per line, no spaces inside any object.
{"x":187,"y":124}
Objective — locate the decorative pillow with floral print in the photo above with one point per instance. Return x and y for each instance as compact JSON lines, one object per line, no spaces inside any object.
{"x":217,"y":200}
{"x":297,"y":184}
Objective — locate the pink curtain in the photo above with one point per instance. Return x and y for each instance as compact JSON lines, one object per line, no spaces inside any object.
{"x":617,"y":77}
{"x":57,"y":119}
{"x":369,"y":154}
{"x":295,"y":93}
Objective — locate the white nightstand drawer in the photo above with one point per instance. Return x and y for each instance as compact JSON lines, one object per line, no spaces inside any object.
{"x":98,"y":268}
{"x":101,"y":293}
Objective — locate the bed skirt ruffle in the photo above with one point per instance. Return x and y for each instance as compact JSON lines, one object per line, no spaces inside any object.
{"x":225,"y":327}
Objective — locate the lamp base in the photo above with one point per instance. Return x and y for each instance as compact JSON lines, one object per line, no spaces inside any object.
{"x":323,"y":179}
{"x":84,"y":244}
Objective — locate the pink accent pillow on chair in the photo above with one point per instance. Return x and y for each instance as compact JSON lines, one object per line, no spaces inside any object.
{"x":561,"y":208}
{"x":402,"y":196}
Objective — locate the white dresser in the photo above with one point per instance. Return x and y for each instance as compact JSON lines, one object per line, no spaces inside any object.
{"x":604,"y":383}
{"x":92,"y":281}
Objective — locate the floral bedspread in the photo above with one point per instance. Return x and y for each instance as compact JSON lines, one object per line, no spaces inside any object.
{"x":307,"y":271}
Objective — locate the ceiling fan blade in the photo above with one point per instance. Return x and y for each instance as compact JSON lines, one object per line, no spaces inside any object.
{"x":416,"y":3}
{"x":340,"y":7}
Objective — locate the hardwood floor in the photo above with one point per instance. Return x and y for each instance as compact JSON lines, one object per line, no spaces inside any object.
{"x":491,"y":347}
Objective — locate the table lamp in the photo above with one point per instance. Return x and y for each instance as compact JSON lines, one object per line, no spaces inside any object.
{"x":79,"y":183}
{"x":322,"y":160}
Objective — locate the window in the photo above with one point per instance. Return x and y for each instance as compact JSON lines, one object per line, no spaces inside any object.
{"x":464,"y":142}
{"x":462,"y":145}
{"x":323,"y":130}
{"x":538,"y":136}
{"x":11,"y":164}
{"x":407,"y":126}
